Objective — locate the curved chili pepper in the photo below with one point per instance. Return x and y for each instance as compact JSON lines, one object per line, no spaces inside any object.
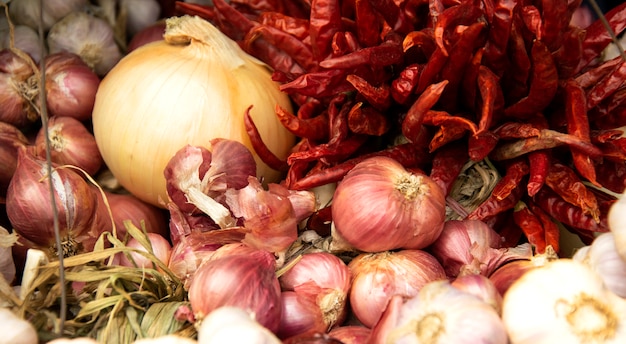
{"x":469,"y":84}
{"x":568,"y":54}
{"x":314,"y":129}
{"x":597,"y":37}
{"x":555,"y":20}
{"x":543,"y":84}
{"x":379,"y":97}
{"x":439,"y":118}
{"x":393,"y":15}
{"x":567,"y":213}
{"x":578,"y":125}
{"x":324,"y":22}
{"x":539,"y":162}
{"x":402,"y":87}
{"x":552,"y":233}
{"x":427,"y":77}
{"x":460,"y":55}
{"x":499,"y":33}
{"x":591,"y":76}
{"x":516,"y":83}
{"x":297,"y":27}
{"x":465,"y":13}
{"x":447,"y":165}
{"x":422,"y":40}
{"x":367,"y":120}
{"x":291,"y":45}
{"x":492,"y":206}
{"x":319,"y":84}
{"x":344,"y":43}
{"x":547,"y":139}
{"x":612,"y":175}
{"x":564,"y":181}
{"x":516,"y":170}
{"x":385,"y":54}
{"x":415,"y":116}
{"x":367,"y":23}
{"x":517,"y":130}
{"x":329,"y":152}
{"x":531,"y":226}
{"x":491,"y":96}
{"x":607,"y":85}
{"x":445,"y":134}
{"x":259,"y":146}
{"x":481,"y":144}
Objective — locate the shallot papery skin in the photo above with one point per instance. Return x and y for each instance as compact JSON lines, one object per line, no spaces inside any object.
{"x":377,"y":277}
{"x":245,"y":281}
{"x":31,"y":213}
{"x":380,"y":206}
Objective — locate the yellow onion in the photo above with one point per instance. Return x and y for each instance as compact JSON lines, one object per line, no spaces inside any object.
{"x":190,"y":88}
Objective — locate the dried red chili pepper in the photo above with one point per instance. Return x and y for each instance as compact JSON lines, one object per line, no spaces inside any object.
{"x":447,"y":165}
{"x":459,"y":57}
{"x":498,"y":36}
{"x":431,"y":69}
{"x":531,"y":226}
{"x":344,"y":43}
{"x":569,"y":53}
{"x":607,"y":86}
{"x":385,"y":54}
{"x":591,"y":76}
{"x":567,"y":213}
{"x":543,"y":84}
{"x":612,"y":175}
{"x":438,"y":118}
{"x":491,"y":96}
{"x":516,"y":82}
{"x":481,"y":144}
{"x":469,"y":84}
{"x":367,"y":120}
{"x":612,"y":142}
{"x":597,"y":38}
{"x":445,"y":134}
{"x":415,"y":116}
{"x":422,"y":40}
{"x":377,"y":96}
{"x":330,"y":153}
{"x":392,"y":14}
{"x":564,"y":181}
{"x":324,"y":22}
{"x":319,"y":84}
{"x":539,"y":162}
{"x":402,"y":87}
{"x":578,"y":125}
{"x":492,"y":206}
{"x":517,"y":130}
{"x":291,"y":45}
{"x":259,"y":146}
{"x":466,"y":13}
{"x":555,"y":20}
{"x":551,"y":229}
{"x":314,"y":129}
{"x":531,"y":16}
{"x":368,"y":24}
{"x":547,"y":139}
{"x":516,"y":170}
{"x":297,"y":27}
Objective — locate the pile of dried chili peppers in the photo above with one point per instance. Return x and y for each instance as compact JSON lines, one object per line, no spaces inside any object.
{"x":510,"y":81}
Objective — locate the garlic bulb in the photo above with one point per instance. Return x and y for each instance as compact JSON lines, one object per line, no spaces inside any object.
{"x":233,"y":325}
{"x":168,"y":339}
{"x":440,"y":313}
{"x":563,"y":301}
{"x":16,"y":330}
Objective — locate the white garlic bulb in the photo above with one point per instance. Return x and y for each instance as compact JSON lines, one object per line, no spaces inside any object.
{"x":563,"y":301}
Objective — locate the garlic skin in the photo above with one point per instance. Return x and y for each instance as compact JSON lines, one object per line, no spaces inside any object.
{"x":169,"y":339}
{"x":16,"y":330}
{"x":7,"y":265}
{"x":602,"y":257}
{"x":233,"y":325}
{"x":28,"y":12}
{"x":563,"y":301}
{"x":440,"y":313}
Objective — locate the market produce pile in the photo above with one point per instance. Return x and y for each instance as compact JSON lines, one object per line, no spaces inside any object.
{"x":362,"y":171}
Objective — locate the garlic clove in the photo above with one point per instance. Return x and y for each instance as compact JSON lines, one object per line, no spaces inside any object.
{"x":563,"y":301}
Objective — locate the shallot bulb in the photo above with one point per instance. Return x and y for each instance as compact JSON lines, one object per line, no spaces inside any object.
{"x":245,"y":281}
{"x":147,"y":35}
{"x":30,"y":210}
{"x":467,"y":247}
{"x":87,"y":36}
{"x":380,"y":206}
{"x":71,"y":86}
{"x":351,"y":334}
{"x":11,"y":138}
{"x":16,"y":85}
{"x":71,"y":143}
{"x":159,"y":246}
{"x":377,"y":277}
{"x":320,"y":283}
{"x":440,"y":313}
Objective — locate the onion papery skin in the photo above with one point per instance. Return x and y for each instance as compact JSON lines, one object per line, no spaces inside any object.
{"x":30,"y":210}
{"x":163,"y":96}
{"x":377,"y":277}
{"x":71,"y":143}
{"x":70,"y":86}
{"x":322,"y":283}
{"x":245,"y":281}
{"x":381,"y":206}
